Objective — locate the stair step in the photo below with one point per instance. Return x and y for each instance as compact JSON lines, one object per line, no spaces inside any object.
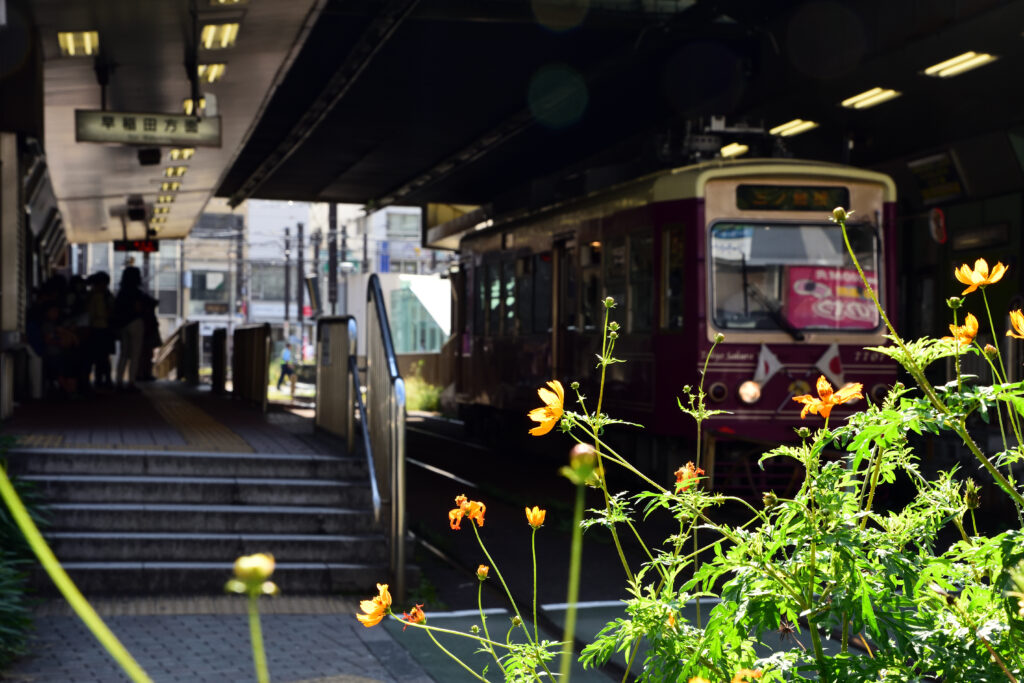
{"x":207,"y":547}
{"x":175,"y":578}
{"x":183,"y":463}
{"x":87,"y":488}
{"x":266,"y":519}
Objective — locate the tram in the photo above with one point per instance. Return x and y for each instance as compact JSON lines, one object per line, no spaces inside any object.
{"x":743,"y":248}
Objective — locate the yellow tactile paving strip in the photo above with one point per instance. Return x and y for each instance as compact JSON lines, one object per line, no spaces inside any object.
{"x":200,"y":431}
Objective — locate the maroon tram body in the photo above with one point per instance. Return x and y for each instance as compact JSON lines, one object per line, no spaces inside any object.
{"x":742,"y":248}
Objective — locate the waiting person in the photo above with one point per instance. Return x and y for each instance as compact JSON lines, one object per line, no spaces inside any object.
{"x":287,"y":369}
{"x":130,"y":309}
{"x":100,"y":308}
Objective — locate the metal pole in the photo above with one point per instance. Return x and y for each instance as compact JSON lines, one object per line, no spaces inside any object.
{"x":332,"y":257}
{"x":241,"y":286}
{"x":365,"y":220}
{"x":316,"y":238}
{"x":300,"y":299}
{"x":287,"y":280}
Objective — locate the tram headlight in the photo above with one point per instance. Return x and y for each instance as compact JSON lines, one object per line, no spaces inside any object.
{"x":717,"y":392}
{"x":750,"y":391}
{"x":878,"y":393}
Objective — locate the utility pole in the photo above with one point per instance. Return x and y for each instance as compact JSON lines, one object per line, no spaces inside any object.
{"x":287,"y":280}
{"x":241,"y":285}
{"x":316,"y":238}
{"x":300,"y":299}
{"x":332,"y":257}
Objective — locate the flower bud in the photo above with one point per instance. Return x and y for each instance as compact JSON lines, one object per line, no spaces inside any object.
{"x":474,"y":629}
{"x":582,"y":463}
{"x":954,"y":302}
{"x":719,"y":338}
{"x":803,"y":432}
{"x":613,"y":326}
{"x":991,"y":351}
{"x":613,"y":335}
{"x":972,"y":494}
{"x":769,"y":499}
{"x":839,"y":214}
{"x":482,"y":571}
{"x":609,"y":302}
{"x":516,"y":621}
{"x":254,"y":569}
{"x":575,"y":386}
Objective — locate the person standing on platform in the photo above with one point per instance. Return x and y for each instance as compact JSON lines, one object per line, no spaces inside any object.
{"x":130,"y":308}
{"x":287,"y":369}
{"x":100,"y":308}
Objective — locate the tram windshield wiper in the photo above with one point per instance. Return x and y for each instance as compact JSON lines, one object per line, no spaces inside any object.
{"x":774,"y":309}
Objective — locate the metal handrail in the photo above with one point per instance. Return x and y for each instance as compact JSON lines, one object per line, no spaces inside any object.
{"x":353,"y":368}
{"x":385,"y":419}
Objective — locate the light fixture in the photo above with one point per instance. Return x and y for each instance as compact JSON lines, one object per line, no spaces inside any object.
{"x":175,"y":171}
{"x":182,"y":154}
{"x":172,"y":186}
{"x":165,"y":199}
{"x":870,"y":98}
{"x":161,"y":210}
{"x":186,"y":105}
{"x":749,"y":391}
{"x":794,"y":127}
{"x":219,"y":36}
{"x":211,"y":72}
{"x":158,"y":219}
{"x":595,"y":245}
{"x":78,"y":43}
{"x":733,"y":149}
{"x":222,"y":3}
{"x":959,"y":64}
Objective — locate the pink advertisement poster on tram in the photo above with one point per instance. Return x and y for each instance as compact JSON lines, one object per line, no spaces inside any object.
{"x":830,"y":298}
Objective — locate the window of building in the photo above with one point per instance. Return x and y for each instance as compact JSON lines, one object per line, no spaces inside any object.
{"x":266,"y":283}
{"x":209,"y":285}
{"x":403,"y":225}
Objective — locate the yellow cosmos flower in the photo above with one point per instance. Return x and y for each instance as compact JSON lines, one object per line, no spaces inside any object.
{"x":980,"y":275}
{"x":1017,"y":320}
{"x":473,"y":509}
{"x":550,"y":413}
{"x":535,"y":517}
{"x":965,"y":333}
{"x":376,"y":608}
{"x":827,"y":398}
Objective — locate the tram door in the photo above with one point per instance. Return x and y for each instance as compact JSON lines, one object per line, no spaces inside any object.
{"x":565,"y":294}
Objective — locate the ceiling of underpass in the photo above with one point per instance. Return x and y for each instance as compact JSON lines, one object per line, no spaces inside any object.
{"x":510,"y":102}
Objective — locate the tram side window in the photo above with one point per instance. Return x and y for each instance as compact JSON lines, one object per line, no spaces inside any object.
{"x":524,"y":291}
{"x":641,"y":282}
{"x":568,"y":289}
{"x":542,"y":292}
{"x":674,"y":269}
{"x":480,"y":301}
{"x":493,"y":299}
{"x":615,"y":271}
{"x":508,"y":280}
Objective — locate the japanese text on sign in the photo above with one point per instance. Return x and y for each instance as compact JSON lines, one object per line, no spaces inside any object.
{"x":131,"y":128}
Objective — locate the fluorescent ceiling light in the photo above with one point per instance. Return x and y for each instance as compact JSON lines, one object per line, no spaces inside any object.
{"x":186,"y":105}
{"x":182,"y":154}
{"x":161,"y":209}
{"x":794,"y":127}
{"x":870,"y":98}
{"x":219,"y":36}
{"x":175,"y":171}
{"x":222,"y":3}
{"x":733,"y":149}
{"x":158,"y":219}
{"x":211,"y":73}
{"x":165,"y":199}
{"x":78,"y":43}
{"x":172,"y":186}
{"x":959,"y":64}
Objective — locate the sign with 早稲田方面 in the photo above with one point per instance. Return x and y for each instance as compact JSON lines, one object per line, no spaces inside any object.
{"x":134,"y":128}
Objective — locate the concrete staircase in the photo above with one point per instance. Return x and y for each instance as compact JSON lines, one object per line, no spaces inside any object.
{"x":171,"y":523}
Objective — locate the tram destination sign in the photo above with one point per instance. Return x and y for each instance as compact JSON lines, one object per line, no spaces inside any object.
{"x":140,"y":128}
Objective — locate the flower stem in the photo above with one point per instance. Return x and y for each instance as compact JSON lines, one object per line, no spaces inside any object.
{"x":575,"y":558}
{"x":483,"y":623}
{"x":66,"y":586}
{"x":456,"y":659}
{"x":533,"y":549}
{"x":259,"y":654}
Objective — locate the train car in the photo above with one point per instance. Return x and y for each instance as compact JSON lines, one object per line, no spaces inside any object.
{"x":743,"y":248}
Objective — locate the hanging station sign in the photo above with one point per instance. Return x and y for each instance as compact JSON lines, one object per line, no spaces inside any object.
{"x":133,"y":128}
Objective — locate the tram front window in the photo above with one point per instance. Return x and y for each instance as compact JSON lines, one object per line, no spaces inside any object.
{"x":771,"y":276}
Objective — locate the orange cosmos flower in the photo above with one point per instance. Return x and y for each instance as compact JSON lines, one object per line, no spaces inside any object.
{"x":535,"y":517}
{"x":550,"y":413}
{"x":416,"y":616}
{"x":1017,"y":320}
{"x":827,"y":398}
{"x":742,"y":675}
{"x":473,"y":509}
{"x":980,"y":276}
{"x":686,"y":475}
{"x":482,"y":571}
{"x":965,"y":333}
{"x":376,"y":608}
